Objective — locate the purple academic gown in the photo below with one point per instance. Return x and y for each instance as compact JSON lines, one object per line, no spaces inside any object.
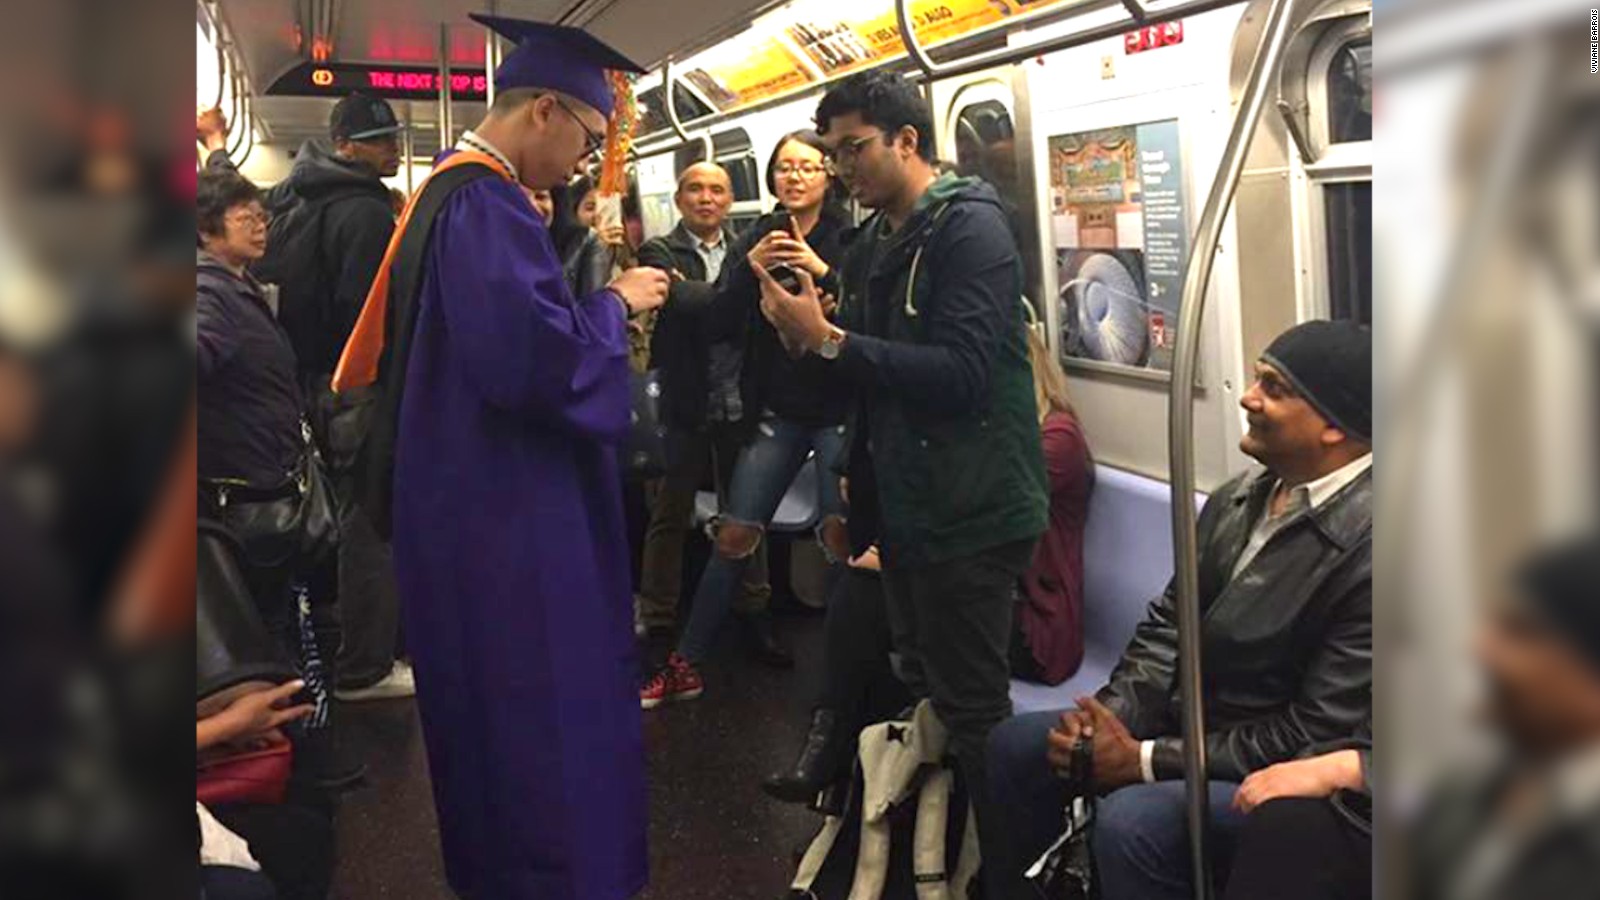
{"x":511,"y":554}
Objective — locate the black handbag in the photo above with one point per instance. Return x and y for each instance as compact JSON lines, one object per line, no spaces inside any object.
{"x":645,"y":454}
{"x":234,"y":653}
{"x":295,"y":521}
{"x":1066,"y":870}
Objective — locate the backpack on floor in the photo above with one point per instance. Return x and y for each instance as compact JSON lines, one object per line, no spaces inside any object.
{"x":907,"y":832}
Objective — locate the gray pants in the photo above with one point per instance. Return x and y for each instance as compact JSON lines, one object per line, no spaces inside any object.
{"x":951,"y":627}
{"x":369,"y":602}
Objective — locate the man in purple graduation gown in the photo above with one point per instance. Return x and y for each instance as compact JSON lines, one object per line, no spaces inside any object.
{"x":509,"y":538}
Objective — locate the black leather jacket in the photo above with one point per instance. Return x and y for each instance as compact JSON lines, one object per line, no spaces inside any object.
{"x":1287,"y":645}
{"x":680,"y":346}
{"x":587,"y":265}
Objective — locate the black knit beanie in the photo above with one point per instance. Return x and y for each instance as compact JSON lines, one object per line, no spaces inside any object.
{"x":1562,"y":585}
{"x":1330,"y":365}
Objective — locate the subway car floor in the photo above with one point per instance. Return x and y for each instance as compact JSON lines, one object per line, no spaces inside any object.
{"x":713,"y":834}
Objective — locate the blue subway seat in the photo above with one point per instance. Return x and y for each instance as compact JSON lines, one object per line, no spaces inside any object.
{"x":1127,"y":560}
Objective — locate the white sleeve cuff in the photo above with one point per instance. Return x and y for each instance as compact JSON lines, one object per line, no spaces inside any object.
{"x":1147,"y":768}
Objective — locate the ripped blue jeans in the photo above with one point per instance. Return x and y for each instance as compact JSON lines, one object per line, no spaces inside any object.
{"x":766,"y":467}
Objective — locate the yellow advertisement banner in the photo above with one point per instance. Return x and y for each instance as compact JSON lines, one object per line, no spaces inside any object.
{"x":843,"y":45}
{"x":768,"y":72}
{"x":835,"y":46}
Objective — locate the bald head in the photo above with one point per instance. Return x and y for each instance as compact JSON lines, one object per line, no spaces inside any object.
{"x":704,"y":194}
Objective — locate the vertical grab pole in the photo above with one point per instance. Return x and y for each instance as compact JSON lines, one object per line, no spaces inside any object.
{"x":408,"y":149}
{"x":491,"y":57}
{"x":446,"y":127}
{"x":1180,"y":416}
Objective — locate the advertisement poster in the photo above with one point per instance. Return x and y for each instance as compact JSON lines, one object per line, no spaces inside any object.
{"x":873,"y":34}
{"x":836,"y":37}
{"x":1121,"y":237}
{"x":769,"y":70}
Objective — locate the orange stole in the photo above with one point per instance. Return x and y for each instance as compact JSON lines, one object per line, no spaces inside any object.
{"x":358,"y":363}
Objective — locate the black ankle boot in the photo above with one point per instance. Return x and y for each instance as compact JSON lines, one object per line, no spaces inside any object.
{"x":817,"y":765}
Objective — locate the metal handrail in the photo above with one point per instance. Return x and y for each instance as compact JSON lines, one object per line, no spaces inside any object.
{"x":1292,"y":75}
{"x":1197,"y":276}
{"x":219,"y":40}
{"x":670,"y":103}
{"x":249,"y":137}
{"x":1004,"y":56}
{"x":491,"y":56}
{"x":908,"y":39}
{"x":446,"y":126}
{"x":222,"y":74}
{"x":1009,"y":55}
{"x":239,"y":112}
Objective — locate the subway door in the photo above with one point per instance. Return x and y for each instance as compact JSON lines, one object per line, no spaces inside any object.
{"x":983,"y":130}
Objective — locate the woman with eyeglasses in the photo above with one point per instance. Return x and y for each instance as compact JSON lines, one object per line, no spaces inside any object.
{"x":790,"y":412}
{"x":250,"y":400}
{"x":250,"y":441}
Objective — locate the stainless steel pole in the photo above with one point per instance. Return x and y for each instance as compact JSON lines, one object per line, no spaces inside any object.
{"x":446,"y":127}
{"x":1197,"y":276}
{"x":491,"y":58}
{"x":408,"y":148}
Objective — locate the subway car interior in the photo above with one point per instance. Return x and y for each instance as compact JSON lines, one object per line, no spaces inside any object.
{"x":1183,"y":180}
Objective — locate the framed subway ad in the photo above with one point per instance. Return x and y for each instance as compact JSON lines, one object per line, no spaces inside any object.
{"x":1119,"y":227}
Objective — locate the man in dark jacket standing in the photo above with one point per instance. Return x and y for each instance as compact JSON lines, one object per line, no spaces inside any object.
{"x":1286,"y":595}
{"x":700,"y":400}
{"x":945,"y":469}
{"x":333,"y":217}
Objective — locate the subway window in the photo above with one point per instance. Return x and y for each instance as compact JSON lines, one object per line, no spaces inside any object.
{"x":986,"y":147}
{"x":1349,"y":239}
{"x":653,"y":108}
{"x":1340,"y":177}
{"x":1350,"y":93}
{"x":733,"y":151}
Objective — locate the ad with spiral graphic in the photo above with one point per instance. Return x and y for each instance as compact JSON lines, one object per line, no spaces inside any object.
{"x":1121,"y":240}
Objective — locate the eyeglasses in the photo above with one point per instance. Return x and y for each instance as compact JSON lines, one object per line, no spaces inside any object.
{"x":848,"y":150}
{"x":592,"y":140}
{"x":806,"y":171}
{"x":249,"y":217}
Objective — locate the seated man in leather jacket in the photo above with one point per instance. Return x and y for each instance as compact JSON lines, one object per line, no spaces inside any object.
{"x":1285,"y":574}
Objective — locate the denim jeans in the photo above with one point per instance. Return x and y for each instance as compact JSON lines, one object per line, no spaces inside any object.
{"x":690,"y":456}
{"x":1140,"y":840}
{"x":766,"y":468}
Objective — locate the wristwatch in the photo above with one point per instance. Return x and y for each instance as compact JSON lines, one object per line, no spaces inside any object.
{"x":832,"y":344}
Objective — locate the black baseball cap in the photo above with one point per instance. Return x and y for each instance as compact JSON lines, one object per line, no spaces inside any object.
{"x":361,"y":117}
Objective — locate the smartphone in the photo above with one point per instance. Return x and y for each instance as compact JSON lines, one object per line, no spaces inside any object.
{"x":783,"y":273}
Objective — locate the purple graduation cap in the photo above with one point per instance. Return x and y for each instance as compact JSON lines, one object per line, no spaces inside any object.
{"x":556,"y":58}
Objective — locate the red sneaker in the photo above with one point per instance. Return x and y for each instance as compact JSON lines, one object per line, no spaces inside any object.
{"x":677,"y":680}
